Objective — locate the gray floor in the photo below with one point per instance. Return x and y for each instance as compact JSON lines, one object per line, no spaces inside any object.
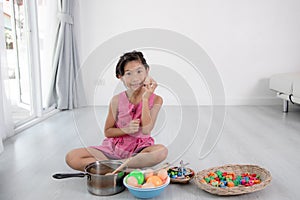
{"x":261,"y":135}
{"x":19,"y":113}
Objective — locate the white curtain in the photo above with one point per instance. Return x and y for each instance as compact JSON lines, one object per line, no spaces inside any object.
{"x":6,"y":122}
{"x":65,"y":84}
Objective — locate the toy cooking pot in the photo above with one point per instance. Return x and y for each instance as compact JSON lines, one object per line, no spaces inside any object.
{"x":98,"y":183}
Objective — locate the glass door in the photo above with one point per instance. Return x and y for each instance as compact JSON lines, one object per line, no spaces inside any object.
{"x":28,"y":51}
{"x":17,"y":60}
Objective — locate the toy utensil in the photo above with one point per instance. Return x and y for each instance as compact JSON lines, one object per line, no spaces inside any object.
{"x":165,"y":165}
{"x":120,"y":167}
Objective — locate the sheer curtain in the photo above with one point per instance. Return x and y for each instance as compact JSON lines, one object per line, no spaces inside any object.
{"x":6,"y":122}
{"x":47,"y":21}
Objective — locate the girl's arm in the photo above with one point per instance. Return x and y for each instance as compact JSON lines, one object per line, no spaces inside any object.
{"x":149,"y":116}
{"x":110,"y":130}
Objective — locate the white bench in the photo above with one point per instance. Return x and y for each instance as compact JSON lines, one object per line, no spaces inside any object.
{"x":287,"y":87}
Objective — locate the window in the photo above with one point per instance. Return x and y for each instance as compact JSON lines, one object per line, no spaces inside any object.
{"x":17,"y":59}
{"x":29,"y":68}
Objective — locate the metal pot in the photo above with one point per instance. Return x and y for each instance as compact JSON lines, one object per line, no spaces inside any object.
{"x":97,"y":182}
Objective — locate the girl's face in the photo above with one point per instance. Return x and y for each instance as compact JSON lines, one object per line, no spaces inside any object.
{"x":134,"y":75}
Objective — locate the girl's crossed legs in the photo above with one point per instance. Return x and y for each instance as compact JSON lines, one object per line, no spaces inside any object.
{"x":149,"y":156}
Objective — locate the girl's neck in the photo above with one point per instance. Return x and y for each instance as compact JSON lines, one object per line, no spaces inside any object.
{"x":134,"y":96}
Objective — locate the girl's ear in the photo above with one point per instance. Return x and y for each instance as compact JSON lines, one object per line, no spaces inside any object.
{"x":119,"y":76}
{"x":122,"y":79}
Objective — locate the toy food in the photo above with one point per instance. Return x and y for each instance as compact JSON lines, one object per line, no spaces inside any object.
{"x":162,"y":174}
{"x":180,"y":174}
{"x":155,"y":180}
{"x":138,"y":175}
{"x":148,"y":179}
{"x":132,"y":181}
{"x":148,"y":172}
{"x":148,"y":185}
{"x":230,"y":179}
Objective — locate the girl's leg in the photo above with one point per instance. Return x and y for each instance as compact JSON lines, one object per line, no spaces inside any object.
{"x":149,"y":156}
{"x":79,"y":158}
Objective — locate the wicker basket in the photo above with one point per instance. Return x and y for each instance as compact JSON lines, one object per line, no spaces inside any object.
{"x":265,"y":177}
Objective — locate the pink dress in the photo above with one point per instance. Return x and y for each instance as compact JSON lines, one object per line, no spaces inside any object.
{"x":127,"y":145}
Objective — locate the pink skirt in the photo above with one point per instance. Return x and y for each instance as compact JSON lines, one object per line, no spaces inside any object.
{"x":123,"y":147}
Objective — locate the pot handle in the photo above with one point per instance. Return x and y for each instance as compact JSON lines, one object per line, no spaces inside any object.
{"x":61,"y":176}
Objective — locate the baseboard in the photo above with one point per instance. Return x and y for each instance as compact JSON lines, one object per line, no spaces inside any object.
{"x":264,"y":101}
{"x":35,"y":121}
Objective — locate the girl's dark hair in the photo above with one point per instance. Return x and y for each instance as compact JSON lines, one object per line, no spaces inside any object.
{"x":127,"y":57}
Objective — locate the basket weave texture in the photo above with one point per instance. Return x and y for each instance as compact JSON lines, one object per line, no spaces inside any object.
{"x":265,"y":177}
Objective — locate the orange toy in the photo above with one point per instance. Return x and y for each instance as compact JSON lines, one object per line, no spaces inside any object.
{"x":162,"y":174}
{"x":155,"y":180}
{"x":230,"y":184}
{"x":148,"y":173}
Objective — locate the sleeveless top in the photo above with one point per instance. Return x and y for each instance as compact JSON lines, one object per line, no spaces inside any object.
{"x":128,"y":111}
{"x":129,"y":144}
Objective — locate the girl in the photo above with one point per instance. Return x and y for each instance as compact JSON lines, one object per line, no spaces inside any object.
{"x":131,"y":117}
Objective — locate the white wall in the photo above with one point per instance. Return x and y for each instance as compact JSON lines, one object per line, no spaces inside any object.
{"x":248,"y":41}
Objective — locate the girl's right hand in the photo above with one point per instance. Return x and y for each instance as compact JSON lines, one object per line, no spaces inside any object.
{"x":133,"y":127}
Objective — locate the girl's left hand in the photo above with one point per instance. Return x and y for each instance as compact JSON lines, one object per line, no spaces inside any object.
{"x":149,"y":86}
